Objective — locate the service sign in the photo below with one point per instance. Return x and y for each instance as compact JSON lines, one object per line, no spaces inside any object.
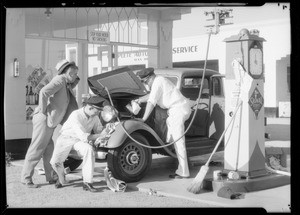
{"x":99,"y":37}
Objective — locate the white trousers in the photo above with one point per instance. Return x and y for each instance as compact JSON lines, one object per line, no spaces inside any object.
{"x":63,"y":146}
{"x":41,"y":146}
{"x":175,"y":122}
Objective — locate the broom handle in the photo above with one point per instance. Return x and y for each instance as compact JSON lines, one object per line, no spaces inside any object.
{"x":223,"y":133}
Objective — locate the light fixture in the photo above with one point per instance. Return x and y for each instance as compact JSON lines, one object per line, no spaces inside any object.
{"x":16,"y":72}
{"x":48,"y":13}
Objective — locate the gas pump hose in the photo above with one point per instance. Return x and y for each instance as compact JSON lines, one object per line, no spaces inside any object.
{"x":193,"y":118}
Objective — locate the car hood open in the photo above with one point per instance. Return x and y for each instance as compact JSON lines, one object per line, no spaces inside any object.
{"x":120,"y":82}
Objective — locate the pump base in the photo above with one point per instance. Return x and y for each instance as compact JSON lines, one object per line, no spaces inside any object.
{"x":247,"y":185}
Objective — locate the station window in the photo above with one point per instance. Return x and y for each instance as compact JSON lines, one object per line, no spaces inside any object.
{"x":95,"y":70}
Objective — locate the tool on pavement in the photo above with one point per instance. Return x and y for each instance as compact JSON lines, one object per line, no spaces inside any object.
{"x":113,"y":184}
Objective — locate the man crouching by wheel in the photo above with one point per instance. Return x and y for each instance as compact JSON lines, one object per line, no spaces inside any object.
{"x":76,"y":134}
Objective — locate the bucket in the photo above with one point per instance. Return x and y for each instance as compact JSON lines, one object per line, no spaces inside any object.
{"x":217,"y":175}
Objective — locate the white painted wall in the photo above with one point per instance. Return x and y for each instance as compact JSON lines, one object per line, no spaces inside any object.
{"x":14,"y":87}
{"x":277,"y":45}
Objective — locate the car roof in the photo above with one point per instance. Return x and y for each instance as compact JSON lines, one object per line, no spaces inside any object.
{"x":185,"y":72}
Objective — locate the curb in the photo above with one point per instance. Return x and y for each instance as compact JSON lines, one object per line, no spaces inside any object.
{"x":149,"y":191}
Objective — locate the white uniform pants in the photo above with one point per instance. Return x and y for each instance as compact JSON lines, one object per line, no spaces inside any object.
{"x":175,"y":122}
{"x":63,"y":146}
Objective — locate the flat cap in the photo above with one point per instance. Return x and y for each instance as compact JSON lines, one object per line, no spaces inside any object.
{"x":61,"y":65}
{"x":96,"y":101}
{"x":145,"y":73}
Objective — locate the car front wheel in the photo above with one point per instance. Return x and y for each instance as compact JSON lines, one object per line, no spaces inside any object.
{"x":130,"y":162}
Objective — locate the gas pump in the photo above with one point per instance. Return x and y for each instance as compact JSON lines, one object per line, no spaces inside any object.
{"x":244,"y":153}
{"x":244,"y":142}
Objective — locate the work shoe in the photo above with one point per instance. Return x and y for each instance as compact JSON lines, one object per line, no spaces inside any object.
{"x":89,"y":186}
{"x":30,"y":185}
{"x":58,"y":184}
{"x":176,"y":176}
{"x":53,"y":181}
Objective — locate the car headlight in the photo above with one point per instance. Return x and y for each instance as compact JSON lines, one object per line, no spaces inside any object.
{"x":108,"y":113}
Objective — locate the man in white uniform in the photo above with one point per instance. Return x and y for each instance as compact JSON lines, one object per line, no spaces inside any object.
{"x":76,"y":134}
{"x":164,"y":94}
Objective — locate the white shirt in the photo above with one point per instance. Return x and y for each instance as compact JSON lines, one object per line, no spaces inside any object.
{"x":165,"y":94}
{"x":80,"y":126}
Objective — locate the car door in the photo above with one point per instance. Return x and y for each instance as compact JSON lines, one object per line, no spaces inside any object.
{"x":217,"y":107}
{"x":190,"y":87}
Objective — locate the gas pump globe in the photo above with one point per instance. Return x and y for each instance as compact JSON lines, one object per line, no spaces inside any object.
{"x":244,"y":141}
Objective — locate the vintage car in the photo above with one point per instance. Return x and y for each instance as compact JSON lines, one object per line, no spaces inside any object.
{"x":130,"y":161}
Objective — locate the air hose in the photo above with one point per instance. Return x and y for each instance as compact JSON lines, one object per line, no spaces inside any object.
{"x":194,"y":115}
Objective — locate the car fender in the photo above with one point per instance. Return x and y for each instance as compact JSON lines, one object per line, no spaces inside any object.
{"x":119,"y":135}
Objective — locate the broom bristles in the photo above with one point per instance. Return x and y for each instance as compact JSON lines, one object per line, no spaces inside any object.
{"x":195,"y":186}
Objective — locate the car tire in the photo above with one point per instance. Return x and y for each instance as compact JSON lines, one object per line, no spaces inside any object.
{"x":72,"y":163}
{"x":130,"y":162}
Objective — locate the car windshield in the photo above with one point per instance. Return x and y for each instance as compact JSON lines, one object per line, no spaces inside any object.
{"x":191,"y":87}
{"x":194,"y":82}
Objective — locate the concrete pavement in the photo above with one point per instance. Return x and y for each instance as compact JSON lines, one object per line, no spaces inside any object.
{"x":157,"y":182}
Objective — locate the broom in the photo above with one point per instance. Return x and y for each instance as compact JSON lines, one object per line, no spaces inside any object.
{"x":195,"y":187}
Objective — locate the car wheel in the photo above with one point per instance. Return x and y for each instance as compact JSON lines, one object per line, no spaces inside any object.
{"x":130,"y":162}
{"x":72,"y":163}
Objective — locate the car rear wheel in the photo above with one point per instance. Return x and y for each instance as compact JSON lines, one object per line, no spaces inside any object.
{"x":130,"y":162}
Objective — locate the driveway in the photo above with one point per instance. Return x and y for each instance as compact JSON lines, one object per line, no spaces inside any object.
{"x":158,"y":185}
